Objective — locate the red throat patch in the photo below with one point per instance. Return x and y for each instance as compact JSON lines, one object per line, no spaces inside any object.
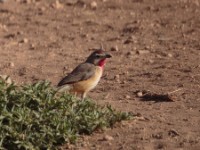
{"x":102,"y":62}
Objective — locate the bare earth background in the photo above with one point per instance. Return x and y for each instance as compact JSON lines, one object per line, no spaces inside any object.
{"x":155,"y":46}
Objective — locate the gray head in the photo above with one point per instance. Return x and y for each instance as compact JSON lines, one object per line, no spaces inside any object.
{"x":98,"y":57}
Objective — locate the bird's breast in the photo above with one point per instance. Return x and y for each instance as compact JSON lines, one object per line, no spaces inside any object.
{"x":89,"y":84}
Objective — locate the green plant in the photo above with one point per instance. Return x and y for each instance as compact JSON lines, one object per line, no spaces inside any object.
{"x":36,"y":117}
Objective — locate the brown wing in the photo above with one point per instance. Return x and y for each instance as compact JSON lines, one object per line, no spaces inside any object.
{"x":82,"y":72}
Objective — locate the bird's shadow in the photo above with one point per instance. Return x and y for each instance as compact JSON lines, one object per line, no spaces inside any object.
{"x":156,"y":99}
{"x":148,"y":96}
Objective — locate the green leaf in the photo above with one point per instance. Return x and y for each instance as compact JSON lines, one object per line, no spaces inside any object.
{"x":36,"y":117}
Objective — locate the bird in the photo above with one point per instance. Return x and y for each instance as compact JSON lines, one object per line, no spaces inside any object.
{"x":86,"y":75}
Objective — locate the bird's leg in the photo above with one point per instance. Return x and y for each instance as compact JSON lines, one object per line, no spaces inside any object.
{"x":83,"y":95}
{"x":74,"y":93}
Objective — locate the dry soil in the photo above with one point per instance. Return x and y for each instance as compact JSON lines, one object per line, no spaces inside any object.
{"x":155,"y":47}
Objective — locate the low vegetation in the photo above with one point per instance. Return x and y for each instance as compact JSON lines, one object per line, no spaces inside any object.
{"x":36,"y":117}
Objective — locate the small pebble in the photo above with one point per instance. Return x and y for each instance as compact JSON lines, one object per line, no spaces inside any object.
{"x":93,"y":5}
{"x":170,"y":55}
{"x":32,"y":46}
{"x":42,"y":8}
{"x":25,"y":40}
{"x":128,"y":41}
{"x":11,"y":64}
{"x":158,"y":56}
{"x":127,"y":96}
{"x":173,"y":133}
{"x":117,"y":78}
{"x":139,"y":94}
{"x":2,"y":1}
{"x":196,"y":2}
{"x":107,"y":96}
{"x":108,"y":138}
{"x":115,"y":48}
{"x":142,"y":52}
{"x":129,"y":53}
{"x":151,"y":61}
{"x":57,"y":5}
{"x":27,"y":1}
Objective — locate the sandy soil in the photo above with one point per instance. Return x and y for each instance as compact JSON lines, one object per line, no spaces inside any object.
{"x":155,"y":47}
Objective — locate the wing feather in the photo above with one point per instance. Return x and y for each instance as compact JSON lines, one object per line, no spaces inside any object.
{"x":82,"y":72}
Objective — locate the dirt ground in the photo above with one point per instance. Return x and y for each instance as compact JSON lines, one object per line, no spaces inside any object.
{"x":155,"y":47}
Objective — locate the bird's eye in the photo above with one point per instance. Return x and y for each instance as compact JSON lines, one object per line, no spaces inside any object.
{"x":98,"y":56}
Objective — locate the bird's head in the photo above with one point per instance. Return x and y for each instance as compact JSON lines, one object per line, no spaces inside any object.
{"x":98,"y":57}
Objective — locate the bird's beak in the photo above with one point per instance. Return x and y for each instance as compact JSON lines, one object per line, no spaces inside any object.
{"x":108,"y":55}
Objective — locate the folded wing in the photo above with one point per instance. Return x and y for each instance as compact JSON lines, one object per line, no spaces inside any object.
{"x":82,"y":72}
